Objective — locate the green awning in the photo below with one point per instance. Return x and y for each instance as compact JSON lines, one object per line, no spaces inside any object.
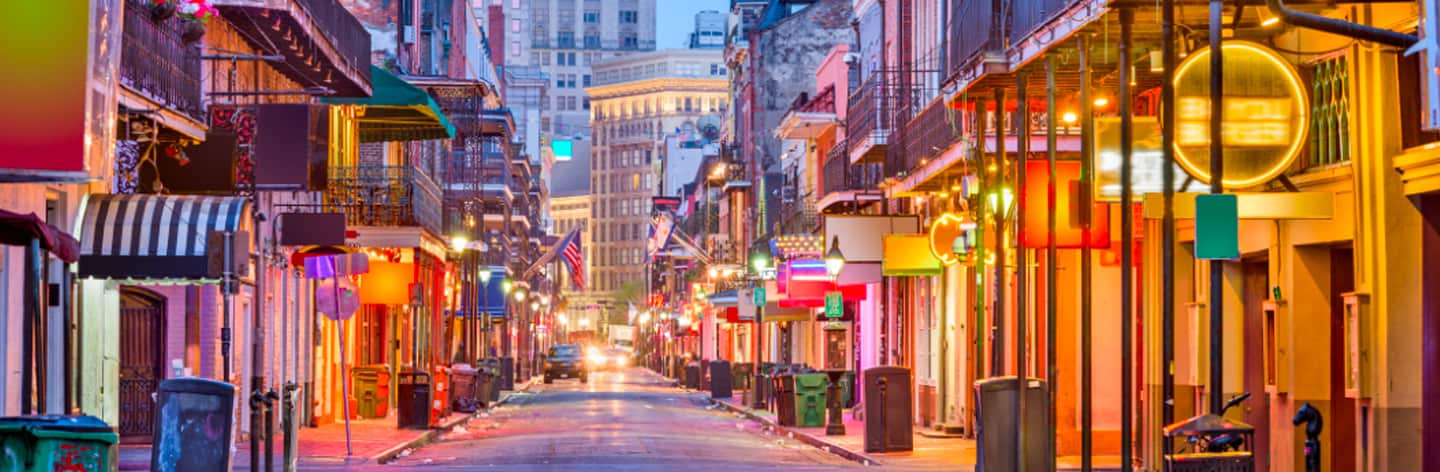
{"x":397,"y":111}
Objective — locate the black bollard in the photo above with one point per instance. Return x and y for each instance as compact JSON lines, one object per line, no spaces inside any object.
{"x":270,"y":398}
{"x":1314,"y":425}
{"x":257,"y":402}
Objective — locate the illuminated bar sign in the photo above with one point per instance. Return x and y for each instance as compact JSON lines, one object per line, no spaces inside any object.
{"x":1147,"y":163}
{"x":1265,"y":116}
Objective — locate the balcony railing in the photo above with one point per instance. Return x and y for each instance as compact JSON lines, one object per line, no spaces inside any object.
{"x":385,"y":196}
{"x":823,"y":102}
{"x":838,"y":175}
{"x":157,"y":64}
{"x":1030,"y":14}
{"x":925,"y":136}
{"x":321,"y":41}
{"x":976,"y":26}
{"x":884,"y":101}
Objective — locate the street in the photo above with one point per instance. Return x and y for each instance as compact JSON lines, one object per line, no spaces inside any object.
{"x":629,"y":420}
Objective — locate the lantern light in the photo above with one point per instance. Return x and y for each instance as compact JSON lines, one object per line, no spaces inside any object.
{"x":485,"y":274}
{"x":834,"y":259}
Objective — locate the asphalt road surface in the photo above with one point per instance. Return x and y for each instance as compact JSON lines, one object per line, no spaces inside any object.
{"x":628,"y":420}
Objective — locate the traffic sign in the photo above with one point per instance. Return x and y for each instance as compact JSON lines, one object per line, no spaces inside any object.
{"x":759,"y":296}
{"x":834,"y":305}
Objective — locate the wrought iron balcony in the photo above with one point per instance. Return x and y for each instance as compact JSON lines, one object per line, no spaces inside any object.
{"x":884,"y":101}
{"x":925,"y":136}
{"x":838,"y":175}
{"x":323,"y":44}
{"x":385,"y":196}
{"x":1030,"y":14}
{"x":977,"y":27}
{"x":159,"y":66}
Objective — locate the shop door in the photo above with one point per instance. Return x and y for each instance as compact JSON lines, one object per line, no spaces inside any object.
{"x":1341,"y":421}
{"x":142,"y":329}
{"x":1257,"y":408}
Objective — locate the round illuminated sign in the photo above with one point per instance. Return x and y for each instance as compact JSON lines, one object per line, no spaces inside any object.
{"x":1265,"y":118}
{"x":942,"y":237}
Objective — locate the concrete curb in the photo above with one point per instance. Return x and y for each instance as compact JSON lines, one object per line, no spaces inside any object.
{"x":805,"y":437}
{"x":430,"y":435}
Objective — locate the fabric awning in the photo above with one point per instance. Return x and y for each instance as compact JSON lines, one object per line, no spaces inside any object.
{"x":18,"y":230}
{"x":397,"y":111}
{"x":724,"y":299}
{"x":156,"y":236}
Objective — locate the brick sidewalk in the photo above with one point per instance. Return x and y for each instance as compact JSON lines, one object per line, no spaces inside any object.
{"x":929,"y":453}
{"x":372,"y":440}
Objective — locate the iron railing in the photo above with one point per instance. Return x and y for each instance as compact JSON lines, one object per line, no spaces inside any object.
{"x":838,"y":175}
{"x":346,"y":33}
{"x":823,"y":102}
{"x":1030,"y":14}
{"x":157,"y":64}
{"x":976,"y":26}
{"x":884,"y":101}
{"x":924,"y":137}
{"x":385,"y":196}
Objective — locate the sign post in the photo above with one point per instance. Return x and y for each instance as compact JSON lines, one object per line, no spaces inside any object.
{"x":338,"y":299}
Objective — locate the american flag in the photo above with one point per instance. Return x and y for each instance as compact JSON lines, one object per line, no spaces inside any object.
{"x":570,"y":250}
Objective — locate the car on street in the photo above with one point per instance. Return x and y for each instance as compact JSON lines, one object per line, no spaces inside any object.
{"x":600,"y":359}
{"x":565,"y":361}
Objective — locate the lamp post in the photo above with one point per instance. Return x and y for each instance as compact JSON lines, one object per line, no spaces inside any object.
{"x":835,"y":423}
{"x":760,"y":261}
{"x":484,"y":310}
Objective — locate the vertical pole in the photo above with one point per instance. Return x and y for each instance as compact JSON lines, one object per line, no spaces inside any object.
{"x":1127,"y":250}
{"x":1087,"y":129}
{"x":1051,"y":372}
{"x":1022,"y":372}
{"x":997,"y":313}
{"x":227,"y":288}
{"x":257,"y":313}
{"x":344,"y":383}
{"x":981,"y":223}
{"x":1217,"y":175}
{"x":30,"y":319}
{"x":1167,"y":251}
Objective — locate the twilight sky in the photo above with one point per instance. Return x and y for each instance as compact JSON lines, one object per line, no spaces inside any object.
{"x":675,"y":20}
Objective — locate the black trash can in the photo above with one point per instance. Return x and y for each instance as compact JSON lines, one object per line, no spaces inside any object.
{"x":507,"y":373}
{"x":888,"y":410}
{"x":782,"y":390}
{"x":493,"y":390}
{"x":997,"y":423}
{"x":720,"y":385}
{"x":741,"y":374}
{"x":413,"y":400}
{"x":194,"y":420}
{"x":704,"y":374}
{"x":484,"y":383}
{"x":692,"y":375}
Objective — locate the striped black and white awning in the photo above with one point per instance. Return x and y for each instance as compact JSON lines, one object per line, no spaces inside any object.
{"x":155,"y":236}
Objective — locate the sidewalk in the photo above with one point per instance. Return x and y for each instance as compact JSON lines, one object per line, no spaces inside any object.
{"x":929,"y":453}
{"x":372,"y":441}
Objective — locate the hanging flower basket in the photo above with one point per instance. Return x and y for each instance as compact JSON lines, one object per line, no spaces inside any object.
{"x":161,"y":10}
{"x":196,"y":14}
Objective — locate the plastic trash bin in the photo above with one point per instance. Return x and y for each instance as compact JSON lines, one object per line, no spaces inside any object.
{"x":720,"y":382}
{"x":888,"y":410}
{"x":193,"y":424}
{"x":46,"y":443}
{"x":371,"y":390}
{"x":810,"y":399}
{"x":507,"y":373}
{"x":414,"y":401}
{"x":782,"y":387}
{"x":741,"y":374}
{"x":492,"y":389}
{"x":464,"y":384}
{"x":692,"y":375}
{"x":997,"y":423}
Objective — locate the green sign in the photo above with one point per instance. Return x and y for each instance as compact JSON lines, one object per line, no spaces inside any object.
{"x":1217,"y":227}
{"x":834,"y":305}
{"x":759,"y":296}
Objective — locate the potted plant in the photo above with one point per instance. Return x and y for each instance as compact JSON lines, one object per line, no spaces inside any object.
{"x":161,"y":10}
{"x":195,"y":13}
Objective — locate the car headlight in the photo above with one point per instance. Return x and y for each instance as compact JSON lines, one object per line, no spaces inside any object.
{"x":597,"y":359}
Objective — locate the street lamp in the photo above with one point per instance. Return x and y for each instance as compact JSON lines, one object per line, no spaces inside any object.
{"x":760,"y":260}
{"x":484,"y":276}
{"x":834,"y":259}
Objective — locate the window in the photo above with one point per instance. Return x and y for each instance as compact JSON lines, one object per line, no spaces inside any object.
{"x":515,"y":26}
{"x":514,"y":48}
{"x":587,"y":102}
{"x":545,"y":58}
{"x":586,"y":82}
{"x":592,"y":41}
{"x":545,"y":104}
{"x":629,"y":16}
{"x":592,"y":17}
{"x":565,"y":39}
{"x":535,"y":58}
{"x":630,"y":42}
{"x":716,"y":70}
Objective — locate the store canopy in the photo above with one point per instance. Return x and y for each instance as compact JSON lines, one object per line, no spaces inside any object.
{"x":19,"y":230}
{"x":159,"y":236}
{"x":397,"y":111}
{"x":726,"y":298}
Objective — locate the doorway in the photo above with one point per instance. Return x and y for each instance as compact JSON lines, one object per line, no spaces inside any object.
{"x":142,"y":345}
{"x":1257,"y":408}
{"x":1341,"y":421}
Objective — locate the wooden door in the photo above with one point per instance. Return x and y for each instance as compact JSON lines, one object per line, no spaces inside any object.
{"x":1257,"y":408}
{"x":1341,"y":421}
{"x":142,"y":347}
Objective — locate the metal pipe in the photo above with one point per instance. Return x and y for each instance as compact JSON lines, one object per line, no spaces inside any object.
{"x":1051,"y":371}
{"x":1127,"y":246}
{"x":1333,"y":26}
{"x":997,"y":312}
{"x":1217,"y":175}
{"x":1087,"y":129}
{"x":227,"y":289}
{"x":1167,"y":251}
{"x":1022,"y":153}
{"x":977,"y":324}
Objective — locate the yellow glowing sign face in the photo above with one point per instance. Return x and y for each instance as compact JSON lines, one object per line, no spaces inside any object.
{"x":942,"y":238}
{"x":1265,"y":114}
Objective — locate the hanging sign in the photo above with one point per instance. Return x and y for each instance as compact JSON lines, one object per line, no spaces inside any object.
{"x":943,"y":232}
{"x":1069,"y":232}
{"x":1264,"y":120}
{"x":834,"y":305}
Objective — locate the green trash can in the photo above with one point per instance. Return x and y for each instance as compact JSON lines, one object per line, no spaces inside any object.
{"x":46,"y":443}
{"x":367,"y":392}
{"x":810,"y":400}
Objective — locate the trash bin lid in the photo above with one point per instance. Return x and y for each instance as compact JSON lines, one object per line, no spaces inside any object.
{"x":811,"y":381}
{"x":61,"y":427}
{"x":196,"y":385}
{"x":1003,"y":383}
